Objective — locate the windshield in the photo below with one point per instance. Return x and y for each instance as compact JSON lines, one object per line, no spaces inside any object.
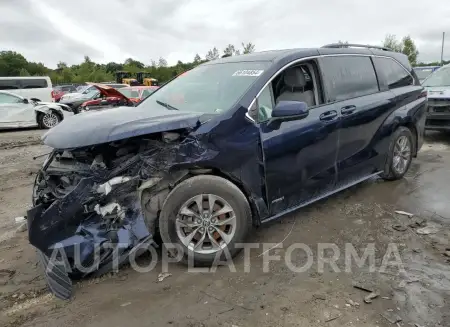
{"x":92,"y":94}
{"x":440,"y":77}
{"x":88,"y":89}
{"x":130,"y":93}
{"x":208,"y":88}
{"x":423,"y":73}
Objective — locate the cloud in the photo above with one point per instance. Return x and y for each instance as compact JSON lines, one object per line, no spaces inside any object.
{"x":113,"y":30}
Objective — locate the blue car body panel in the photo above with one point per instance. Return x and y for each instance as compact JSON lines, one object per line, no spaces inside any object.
{"x":279,"y":166}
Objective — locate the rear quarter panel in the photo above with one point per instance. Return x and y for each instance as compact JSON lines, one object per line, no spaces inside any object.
{"x":410,"y":111}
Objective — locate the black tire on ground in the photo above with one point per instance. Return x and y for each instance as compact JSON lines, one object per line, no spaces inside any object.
{"x":42,"y":122}
{"x":205,"y":184}
{"x":389,"y":172}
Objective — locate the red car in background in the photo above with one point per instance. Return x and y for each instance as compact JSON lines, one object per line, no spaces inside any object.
{"x":59,"y":91}
{"x":110,"y":97}
{"x":138,"y":93}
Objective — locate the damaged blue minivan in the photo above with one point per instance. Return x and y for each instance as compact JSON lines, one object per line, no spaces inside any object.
{"x":228,"y":145}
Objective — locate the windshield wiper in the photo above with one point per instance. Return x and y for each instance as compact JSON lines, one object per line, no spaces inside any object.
{"x":168,"y":106}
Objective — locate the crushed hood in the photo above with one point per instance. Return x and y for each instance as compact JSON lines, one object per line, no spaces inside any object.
{"x":108,"y":91}
{"x":116,"y":124}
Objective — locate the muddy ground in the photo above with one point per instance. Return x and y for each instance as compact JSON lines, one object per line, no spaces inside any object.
{"x":419,"y":295}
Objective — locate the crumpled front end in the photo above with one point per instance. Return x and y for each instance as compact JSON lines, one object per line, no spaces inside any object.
{"x":87,"y":216}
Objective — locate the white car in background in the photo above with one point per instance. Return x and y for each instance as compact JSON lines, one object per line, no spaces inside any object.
{"x":30,"y":87}
{"x":17,"y":112}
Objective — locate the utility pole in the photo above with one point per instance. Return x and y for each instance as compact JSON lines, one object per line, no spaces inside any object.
{"x":442,"y":50}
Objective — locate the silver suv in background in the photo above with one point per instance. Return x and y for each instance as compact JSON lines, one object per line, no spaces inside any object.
{"x":438,"y":88}
{"x":423,"y":72}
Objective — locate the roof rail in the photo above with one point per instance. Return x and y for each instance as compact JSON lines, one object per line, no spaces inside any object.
{"x":348,"y":45}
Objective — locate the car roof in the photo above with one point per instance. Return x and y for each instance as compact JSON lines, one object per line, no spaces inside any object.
{"x":270,"y":55}
{"x":287,"y":55}
{"x":25,"y":77}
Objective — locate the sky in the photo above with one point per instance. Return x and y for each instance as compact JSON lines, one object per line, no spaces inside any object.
{"x":51,"y":31}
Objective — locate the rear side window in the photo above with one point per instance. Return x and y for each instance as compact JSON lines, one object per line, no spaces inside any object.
{"x":9,"y":84}
{"x":391,"y":73}
{"x":347,"y":77}
{"x":34,"y":83}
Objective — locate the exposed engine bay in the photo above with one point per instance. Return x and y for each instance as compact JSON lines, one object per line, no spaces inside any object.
{"x":94,"y":206}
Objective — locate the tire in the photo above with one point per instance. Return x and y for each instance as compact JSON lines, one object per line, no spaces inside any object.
{"x":222,"y":190}
{"x":49,"y":120}
{"x":391,"y":170}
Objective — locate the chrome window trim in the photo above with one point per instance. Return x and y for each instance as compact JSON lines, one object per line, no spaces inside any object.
{"x":315,"y":57}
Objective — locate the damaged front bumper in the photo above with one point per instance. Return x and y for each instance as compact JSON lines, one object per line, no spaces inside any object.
{"x":87,"y":219}
{"x":95,"y":206}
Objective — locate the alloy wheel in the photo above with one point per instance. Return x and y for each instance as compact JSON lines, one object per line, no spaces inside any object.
{"x":50,"y":120}
{"x":402,"y":154}
{"x":206,"y":223}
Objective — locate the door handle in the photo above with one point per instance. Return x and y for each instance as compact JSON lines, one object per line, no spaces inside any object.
{"x":347,"y":110}
{"x":329,"y":115}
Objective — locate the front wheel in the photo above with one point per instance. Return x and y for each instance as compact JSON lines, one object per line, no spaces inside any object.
{"x":49,"y":120}
{"x":400,"y":154}
{"x":205,"y":216}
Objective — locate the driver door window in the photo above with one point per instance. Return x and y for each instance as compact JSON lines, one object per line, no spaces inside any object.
{"x":295,"y":83}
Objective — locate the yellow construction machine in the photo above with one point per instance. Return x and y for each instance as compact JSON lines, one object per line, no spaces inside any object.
{"x":144,"y":78}
{"x":125,"y":78}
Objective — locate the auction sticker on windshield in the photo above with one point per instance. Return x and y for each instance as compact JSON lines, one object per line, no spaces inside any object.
{"x":248,"y":72}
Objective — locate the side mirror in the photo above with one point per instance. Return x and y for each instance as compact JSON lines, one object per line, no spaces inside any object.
{"x":287,"y":111}
{"x":25,"y":101}
{"x":290,"y":110}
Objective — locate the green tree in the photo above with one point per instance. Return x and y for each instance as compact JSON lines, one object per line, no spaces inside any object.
{"x":113,"y":67}
{"x":410,"y":50}
{"x":229,"y":50}
{"x":197,"y":59}
{"x":405,"y":46}
{"x":248,"y":48}
{"x":24,"y":72}
{"x":162,"y":62}
{"x":212,"y":54}
{"x":343,"y":44}
{"x":391,"y":42}
{"x":87,"y":60}
{"x":14,"y":64}
{"x":13,"y":61}
{"x":61,"y":65}
{"x":37,"y":69}
{"x":3,"y":68}
{"x":134,"y":63}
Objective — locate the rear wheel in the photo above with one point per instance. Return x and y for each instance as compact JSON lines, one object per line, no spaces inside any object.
{"x":49,"y":120}
{"x":401,"y":149}
{"x":205,"y":216}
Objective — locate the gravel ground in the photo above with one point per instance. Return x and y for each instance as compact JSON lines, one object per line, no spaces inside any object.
{"x":259,"y":292}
